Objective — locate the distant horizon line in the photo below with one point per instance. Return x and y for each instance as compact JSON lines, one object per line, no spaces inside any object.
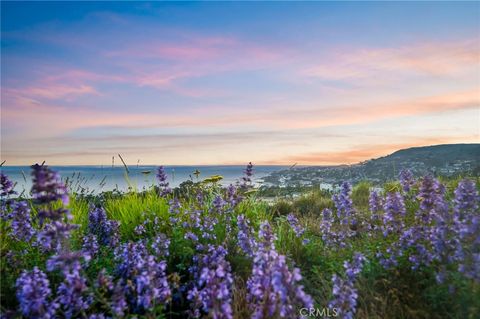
{"x":120,"y":165}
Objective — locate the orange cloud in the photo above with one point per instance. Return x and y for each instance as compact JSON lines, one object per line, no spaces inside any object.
{"x":366,"y":152}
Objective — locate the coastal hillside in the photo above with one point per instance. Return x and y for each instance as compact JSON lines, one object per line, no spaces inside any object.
{"x":440,"y":160}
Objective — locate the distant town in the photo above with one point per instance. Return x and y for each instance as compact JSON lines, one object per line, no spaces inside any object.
{"x":439,"y":160}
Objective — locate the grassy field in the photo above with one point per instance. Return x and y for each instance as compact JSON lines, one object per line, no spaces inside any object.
{"x":409,"y":251}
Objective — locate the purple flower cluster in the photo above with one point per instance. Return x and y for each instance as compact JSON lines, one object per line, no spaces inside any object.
{"x":246,"y":181}
{"x":47,"y":186}
{"x":142,"y":277}
{"x":344,"y":292}
{"x":246,"y":241}
{"x":106,"y":231}
{"x":33,"y":293}
{"x":467,"y":229}
{"x":394,"y":215}
{"x":344,"y":204}
{"x":407,"y":180}
{"x":297,"y":229}
{"x":274,"y":290}
{"x":212,"y":293}
{"x":163,"y":181}
{"x":375,"y":203}
{"x":21,"y":222}
{"x":334,"y":234}
{"x":6,"y":186}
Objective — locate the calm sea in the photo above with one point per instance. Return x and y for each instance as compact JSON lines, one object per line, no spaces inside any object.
{"x":98,"y":178}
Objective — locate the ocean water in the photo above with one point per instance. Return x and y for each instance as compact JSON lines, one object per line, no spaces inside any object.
{"x":97,"y":179}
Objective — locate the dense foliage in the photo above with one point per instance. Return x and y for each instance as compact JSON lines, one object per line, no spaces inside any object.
{"x":409,"y":250}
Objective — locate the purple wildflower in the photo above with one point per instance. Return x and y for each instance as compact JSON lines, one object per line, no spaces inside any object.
{"x":244,"y":236}
{"x":105,"y":230}
{"x":47,"y":186}
{"x":344,"y":293}
{"x":73,"y":296}
{"x":163,"y":181}
{"x":54,"y":235}
{"x":375,"y":202}
{"x":6,"y":186}
{"x":21,"y":222}
{"x":466,"y":199}
{"x":90,"y":245}
{"x":33,"y":292}
{"x":394,"y":208}
{"x":332,"y":236}
{"x":160,"y":245}
{"x":273,"y":289}
{"x":247,"y":178}
{"x":407,"y":180}
{"x":69,"y":263}
{"x":213,"y":292}
{"x":344,"y":204}
{"x":293,"y":221}
{"x":143,"y":278}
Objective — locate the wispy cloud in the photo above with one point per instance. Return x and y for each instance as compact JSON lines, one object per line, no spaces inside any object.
{"x":433,"y":59}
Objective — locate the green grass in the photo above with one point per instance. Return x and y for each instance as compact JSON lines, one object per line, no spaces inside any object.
{"x":396,"y":293}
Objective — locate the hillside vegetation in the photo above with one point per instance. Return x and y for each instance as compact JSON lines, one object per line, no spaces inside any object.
{"x":408,"y":250}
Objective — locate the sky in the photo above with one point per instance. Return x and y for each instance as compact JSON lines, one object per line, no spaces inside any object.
{"x":227,"y":82}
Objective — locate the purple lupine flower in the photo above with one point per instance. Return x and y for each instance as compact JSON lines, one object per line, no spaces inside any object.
{"x":407,"y":180}
{"x":395,"y":212}
{"x":105,"y":230}
{"x":232,"y":197}
{"x":54,"y":235}
{"x":191,"y":236}
{"x":467,"y":229}
{"x":246,"y":241}
{"x":114,"y":294}
{"x":143,"y":278}
{"x":174,"y":209}
{"x":21,"y":222}
{"x":163,"y":182}
{"x":6,"y":186}
{"x":213,"y":291}
{"x":90,"y":245}
{"x":344,"y":298}
{"x":375,"y":203}
{"x":293,"y":221}
{"x":139,"y":230}
{"x":33,"y":291}
{"x":466,"y":199}
{"x":247,"y":177}
{"x":218,"y":205}
{"x":47,"y":186}
{"x":47,"y":189}
{"x":273,"y":290}
{"x":353,"y":268}
{"x":415,"y":238}
{"x":431,"y":197}
{"x":73,"y":296}
{"x":69,"y":263}
{"x":388,"y":259}
{"x":344,"y":204}
{"x":331,"y":236}
{"x":344,"y":293}
{"x":104,"y":281}
{"x":160,"y":245}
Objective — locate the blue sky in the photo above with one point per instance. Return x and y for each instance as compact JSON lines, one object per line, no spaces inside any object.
{"x":222,"y":82}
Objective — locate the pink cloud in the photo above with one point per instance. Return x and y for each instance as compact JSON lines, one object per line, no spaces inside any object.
{"x":436,"y":59}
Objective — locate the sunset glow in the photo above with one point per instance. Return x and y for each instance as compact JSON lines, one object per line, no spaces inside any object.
{"x":229,"y":83}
